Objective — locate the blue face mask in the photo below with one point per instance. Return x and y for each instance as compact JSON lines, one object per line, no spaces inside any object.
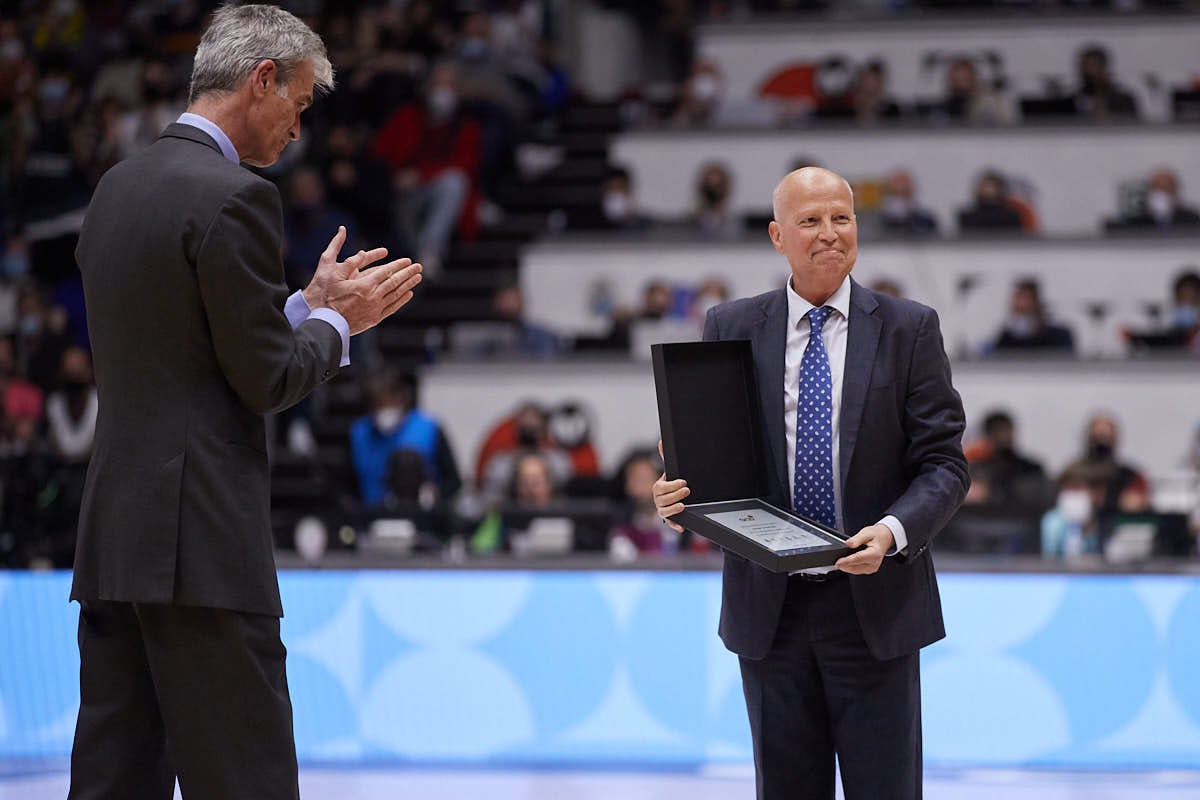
{"x":473,"y":48}
{"x":30,"y":326}
{"x":16,"y":264}
{"x":1185,"y":316}
{"x":54,"y":90}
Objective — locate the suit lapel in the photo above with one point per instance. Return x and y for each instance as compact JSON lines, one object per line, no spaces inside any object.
{"x":769,"y":337}
{"x":861,"y":345}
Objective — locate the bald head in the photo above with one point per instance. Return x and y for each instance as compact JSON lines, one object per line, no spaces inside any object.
{"x":814,"y":228}
{"x":806,"y":180}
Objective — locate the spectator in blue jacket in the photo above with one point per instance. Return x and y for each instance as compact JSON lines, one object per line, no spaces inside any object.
{"x":393,"y":424}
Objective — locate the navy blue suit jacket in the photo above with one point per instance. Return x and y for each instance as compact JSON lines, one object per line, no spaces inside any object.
{"x":901,"y":453}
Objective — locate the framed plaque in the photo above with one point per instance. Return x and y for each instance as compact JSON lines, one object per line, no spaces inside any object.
{"x":709,"y":415}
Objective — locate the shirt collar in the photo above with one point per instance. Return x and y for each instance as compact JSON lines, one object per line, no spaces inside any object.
{"x":213,"y":130}
{"x":798,"y":306}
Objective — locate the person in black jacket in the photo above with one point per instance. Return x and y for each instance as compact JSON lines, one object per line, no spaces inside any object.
{"x":1028,"y":327}
{"x":195,"y":339}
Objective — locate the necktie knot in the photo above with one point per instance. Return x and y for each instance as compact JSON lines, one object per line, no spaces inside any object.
{"x":817,"y":317}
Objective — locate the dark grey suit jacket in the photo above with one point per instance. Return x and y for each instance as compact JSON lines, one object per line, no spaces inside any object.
{"x":900,"y":441}
{"x":183,"y":278}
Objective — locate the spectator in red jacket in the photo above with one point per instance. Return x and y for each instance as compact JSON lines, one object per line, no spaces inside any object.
{"x":433,"y":151}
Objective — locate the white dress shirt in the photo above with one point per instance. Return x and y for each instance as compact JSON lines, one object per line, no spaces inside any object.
{"x":834,"y":334}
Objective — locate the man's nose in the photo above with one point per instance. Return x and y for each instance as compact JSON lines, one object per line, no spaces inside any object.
{"x":827,"y":233}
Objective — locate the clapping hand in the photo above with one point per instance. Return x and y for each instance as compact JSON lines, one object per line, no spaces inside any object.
{"x":363,"y":294}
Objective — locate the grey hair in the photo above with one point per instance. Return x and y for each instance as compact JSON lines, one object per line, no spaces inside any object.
{"x":804,"y":172}
{"x":240,"y":37}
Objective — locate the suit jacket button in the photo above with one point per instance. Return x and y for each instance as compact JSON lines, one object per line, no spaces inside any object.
{"x":327,"y":375}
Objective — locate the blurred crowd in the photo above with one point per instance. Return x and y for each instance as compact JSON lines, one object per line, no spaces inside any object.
{"x":418,"y":149}
{"x":415,"y":147}
{"x":999,"y":202}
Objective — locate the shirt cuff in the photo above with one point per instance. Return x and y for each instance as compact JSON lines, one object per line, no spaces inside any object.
{"x":897,"y":529}
{"x":341,"y":326}
{"x":296,"y":309}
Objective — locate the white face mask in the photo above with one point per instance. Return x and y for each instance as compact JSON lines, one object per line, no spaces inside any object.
{"x":895,"y":207}
{"x":1159,"y":204}
{"x":705,"y":302}
{"x":1021,"y":325}
{"x":1075,"y":505}
{"x":616,"y":206}
{"x":11,"y":50}
{"x":442,"y":101}
{"x":705,"y":88}
{"x":387,"y":419}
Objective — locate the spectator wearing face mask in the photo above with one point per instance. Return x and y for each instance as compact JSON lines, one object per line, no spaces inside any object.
{"x":713,"y":213}
{"x":42,"y":337}
{"x":1163,"y":208}
{"x":699,"y":96}
{"x":1125,"y":489}
{"x":901,"y":214}
{"x":619,"y":204}
{"x":1185,"y":306}
{"x":1027,"y":326}
{"x":1072,"y":527}
{"x":433,"y":151}
{"x":527,"y":430}
{"x":711,"y":292}
{"x":394,"y":424}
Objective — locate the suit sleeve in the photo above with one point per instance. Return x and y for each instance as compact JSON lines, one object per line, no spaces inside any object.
{"x":710,"y":326}
{"x":240,"y":273}
{"x":934,"y":423}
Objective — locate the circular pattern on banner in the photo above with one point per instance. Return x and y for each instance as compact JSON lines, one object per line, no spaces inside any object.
{"x":663,"y":664}
{"x":311,"y":599}
{"x":446,"y":704}
{"x":1099,"y":653}
{"x":563,"y":648}
{"x":968,"y":598}
{"x":955,"y":717}
{"x":39,"y":661}
{"x":324,"y":713}
{"x":1183,"y":653}
{"x":439,"y":609}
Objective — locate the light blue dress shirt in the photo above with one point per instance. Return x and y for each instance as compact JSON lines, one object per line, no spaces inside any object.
{"x":296,"y":309}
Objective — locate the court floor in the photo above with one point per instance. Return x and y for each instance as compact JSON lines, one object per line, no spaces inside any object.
{"x":720,"y":783}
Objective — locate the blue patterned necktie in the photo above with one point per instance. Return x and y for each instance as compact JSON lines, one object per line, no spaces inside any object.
{"x":812,"y":491}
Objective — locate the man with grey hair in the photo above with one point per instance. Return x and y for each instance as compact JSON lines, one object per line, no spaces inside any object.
{"x":195,"y":339}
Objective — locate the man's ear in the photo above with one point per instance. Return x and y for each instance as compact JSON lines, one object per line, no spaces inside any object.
{"x":263,"y":78}
{"x":776,"y":234}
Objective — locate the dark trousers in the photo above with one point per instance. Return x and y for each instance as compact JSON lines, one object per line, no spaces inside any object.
{"x":819,"y":693}
{"x":168,"y":691}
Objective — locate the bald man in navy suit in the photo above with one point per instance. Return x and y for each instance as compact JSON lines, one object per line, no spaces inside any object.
{"x":864,"y":432}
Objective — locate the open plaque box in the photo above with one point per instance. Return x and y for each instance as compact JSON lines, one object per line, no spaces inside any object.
{"x":709,"y":415}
